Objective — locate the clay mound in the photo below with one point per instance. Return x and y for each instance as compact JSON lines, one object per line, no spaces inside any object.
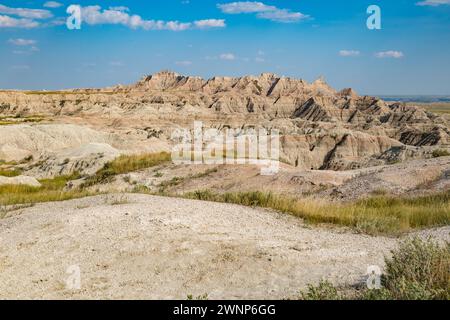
{"x":86,"y":159}
{"x":18,"y":141}
{"x":145,"y":249}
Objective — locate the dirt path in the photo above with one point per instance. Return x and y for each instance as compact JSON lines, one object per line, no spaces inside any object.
{"x":146,"y":247}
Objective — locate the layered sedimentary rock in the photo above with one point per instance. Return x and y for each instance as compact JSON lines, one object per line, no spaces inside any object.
{"x":321,"y":128}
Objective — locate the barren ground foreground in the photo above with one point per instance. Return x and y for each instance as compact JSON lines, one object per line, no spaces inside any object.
{"x":147,"y":247}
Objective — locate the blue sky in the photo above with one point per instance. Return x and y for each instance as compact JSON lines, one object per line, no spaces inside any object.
{"x":120,"y":41}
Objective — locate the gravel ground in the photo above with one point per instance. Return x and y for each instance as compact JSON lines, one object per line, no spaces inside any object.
{"x":147,"y":247}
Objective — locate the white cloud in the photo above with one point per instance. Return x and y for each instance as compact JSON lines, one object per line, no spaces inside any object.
{"x":282,"y":15}
{"x":26,"y":13}
{"x":433,"y":3}
{"x":390,"y":54}
{"x":262,"y":11}
{"x":94,"y":15}
{"x":349,"y":53}
{"x":22,"y":42}
{"x":52,"y":4}
{"x":210,"y":23}
{"x":119,"y":8}
{"x":245,"y":7}
{"x":9,"y":22}
{"x":259,"y":59}
{"x":227,"y":56}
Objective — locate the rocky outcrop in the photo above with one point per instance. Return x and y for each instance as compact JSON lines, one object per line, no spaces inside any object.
{"x":320,"y":127}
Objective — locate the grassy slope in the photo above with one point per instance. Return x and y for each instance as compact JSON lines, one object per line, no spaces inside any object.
{"x":54,"y":189}
{"x":375,"y":215}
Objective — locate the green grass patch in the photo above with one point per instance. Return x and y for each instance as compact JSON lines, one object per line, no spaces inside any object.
{"x":50,"y":190}
{"x":125,"y":164}
{"x":375,"y":215}
{"x":440,"y":153}
{"x":17,"y":119}
{"x":10,"y":173}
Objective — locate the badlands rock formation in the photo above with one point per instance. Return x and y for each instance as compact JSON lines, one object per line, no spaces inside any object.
{"x":321,"y":128}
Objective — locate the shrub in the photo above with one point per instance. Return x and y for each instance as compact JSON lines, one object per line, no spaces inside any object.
{"x":440,"y":153}
{"x":418,"y":270}
{"x":324,"y":291}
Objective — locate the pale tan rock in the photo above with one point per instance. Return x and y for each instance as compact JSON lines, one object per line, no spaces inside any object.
{"x":19,"y":180}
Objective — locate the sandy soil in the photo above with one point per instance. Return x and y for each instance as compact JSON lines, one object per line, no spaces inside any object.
{"x":146,"y":247}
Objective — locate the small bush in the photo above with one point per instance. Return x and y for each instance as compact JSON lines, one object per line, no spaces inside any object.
{"x":200,"y":297}
{"x":440,"y":153}
{"x":324,"y":291}
{"x":418,"y":270}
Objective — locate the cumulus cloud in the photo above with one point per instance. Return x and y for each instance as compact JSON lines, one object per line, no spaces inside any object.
{"x":433,"y":3}
{"x":245,"y":7}
{"x":227,"y":56}
{"x":94,"y":15}
{"x":262,"y":11}
{"x":52,"y":4}
{"x":26,"y":13}
{"x":9,"y":22}
{"x":210,"y":23}
{"x":349,"y":53}
{"x":389,"y":54}
{"x":22,"y":42}
{"x":282,"y":15}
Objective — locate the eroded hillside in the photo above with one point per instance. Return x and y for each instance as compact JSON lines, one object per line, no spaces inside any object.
{"x":321,"y":128}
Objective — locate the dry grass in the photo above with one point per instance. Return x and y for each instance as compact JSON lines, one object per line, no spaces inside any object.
{"x":125,"y":164}
{"x":10,"y":173}
{"x":440,"y":153}
{"x":375,"y":215}
{"x":7,"y":120}
{"x":51,"y":190}
{"x":436,"y":107}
